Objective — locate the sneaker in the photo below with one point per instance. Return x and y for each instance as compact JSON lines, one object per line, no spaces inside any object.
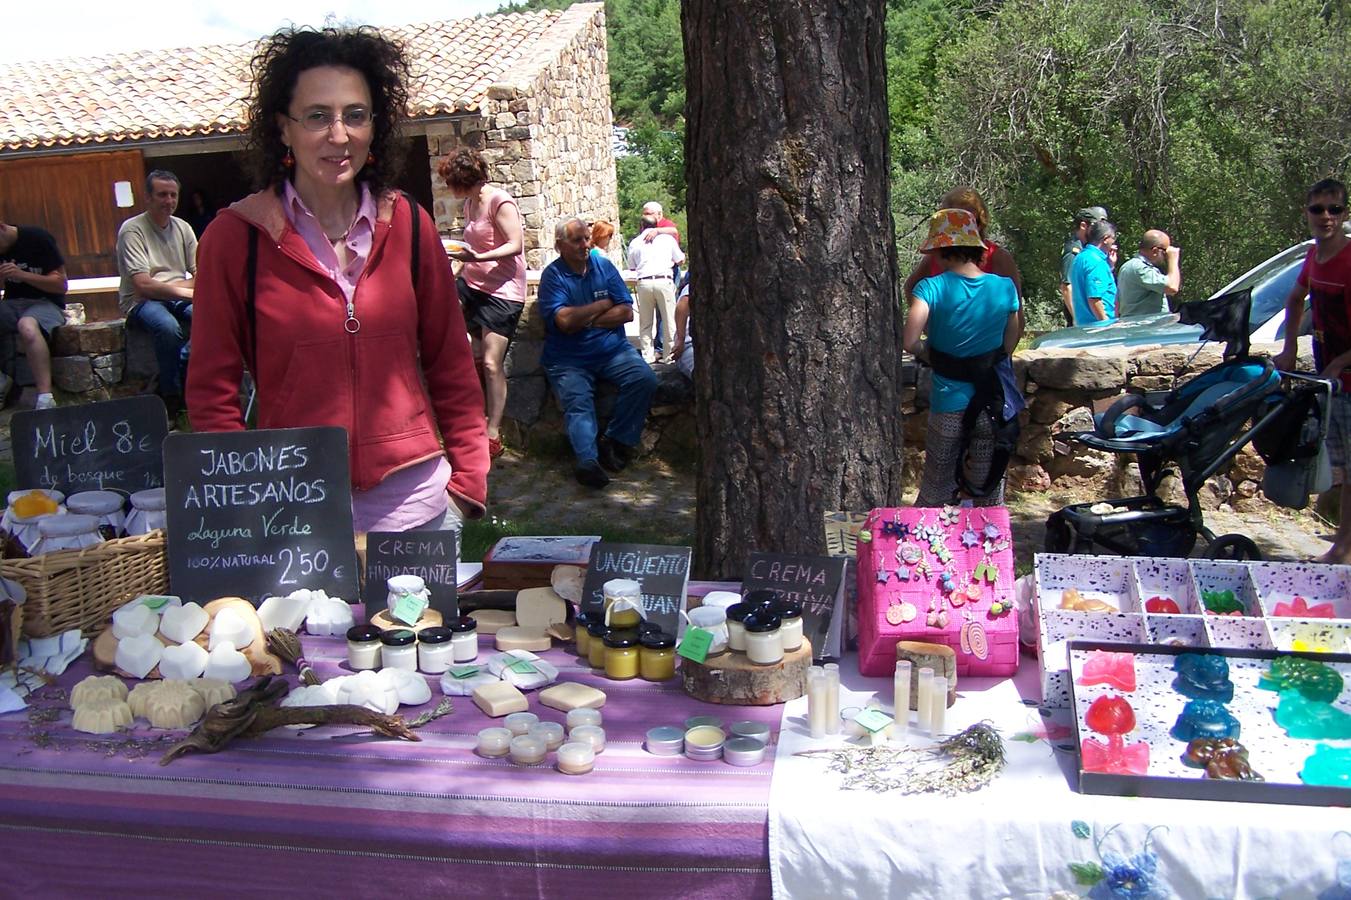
{"x":45,"y":401}
{"x":613,"y":455}
{"x":495,"y":447}
{"x":591,"y":474}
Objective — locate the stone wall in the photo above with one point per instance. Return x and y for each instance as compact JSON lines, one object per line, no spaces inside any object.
{"x":1063,"y":390}
{"x":546,"y":136}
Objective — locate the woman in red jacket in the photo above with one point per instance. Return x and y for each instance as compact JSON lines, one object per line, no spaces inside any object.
{"x":335,"y":292}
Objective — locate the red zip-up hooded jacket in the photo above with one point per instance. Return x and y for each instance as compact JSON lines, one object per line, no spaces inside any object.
{"x":311,"y":371}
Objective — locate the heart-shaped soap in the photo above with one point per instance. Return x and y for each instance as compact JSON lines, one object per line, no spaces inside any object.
{"x":283,"y":612}
{"x":230,"y":627}
{"x":368,"y":689}
{"x":134,"y":619}
{"x":410,"y":686}
{"x":183,"y":661}
{"x":181,"y":624}
{"x":227,"y":664}
{"x":139,"y":654}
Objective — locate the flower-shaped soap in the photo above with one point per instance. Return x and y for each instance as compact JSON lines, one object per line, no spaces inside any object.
{"x":213,"y":690}
{"x":368,"y":689}
{"x":98,"y":686}
{"x":101,"y":715}
{"x":1203,"y":676}
{"x":1300,"y":608}
{"x":1329,"y":766}
{"x":172,"y":704}
{"x":1205,"y":719}
{"x":325,"y":694}
{"x":1106,"y":667}
{"x":328,"y":615}
{"x":1311,"y":719}
{"x":139,"y":696}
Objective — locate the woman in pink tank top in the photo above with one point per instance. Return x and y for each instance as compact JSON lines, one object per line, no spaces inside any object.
{"x":492,"y":281}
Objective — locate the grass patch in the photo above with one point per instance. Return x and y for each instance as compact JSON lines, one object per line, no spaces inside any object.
{"x":480,"y":534}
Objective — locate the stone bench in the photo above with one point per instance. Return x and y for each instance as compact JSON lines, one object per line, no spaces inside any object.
{"x":89,"y":361}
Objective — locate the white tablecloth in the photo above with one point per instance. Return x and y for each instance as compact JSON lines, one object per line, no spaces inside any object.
{"x":1020,"y":836}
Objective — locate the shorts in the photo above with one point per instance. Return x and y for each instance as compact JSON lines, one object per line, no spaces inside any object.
{"x":487,"y":312}
{"x":46,"y":313}
{"x":1339,"y":437}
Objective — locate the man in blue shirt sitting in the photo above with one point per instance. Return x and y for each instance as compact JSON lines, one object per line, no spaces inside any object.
{"x":1092,"y":284}
{"x":585,"y":304}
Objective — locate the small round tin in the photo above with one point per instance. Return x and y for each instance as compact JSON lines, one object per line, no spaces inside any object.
{"x":665,"y":740}
{"x":756,"y":731}
{"x":696,"y":721}
{"x":704,"y":742}
{"x":744,"y":751}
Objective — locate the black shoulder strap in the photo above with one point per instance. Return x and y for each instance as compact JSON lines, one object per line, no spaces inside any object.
{"x":414,"y":213}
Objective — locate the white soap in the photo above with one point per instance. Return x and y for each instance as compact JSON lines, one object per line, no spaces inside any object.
{"x":227,"y":664}
{"x":181,"y":624}
{"x":464,"y":687}
{"x":410,"y":686}
{"x":103,"y":715}
{"x":518,"y":637}
{"x":368,"y":689}
{"x":328,"y":615}
{"x":229,"y":627}
{"x":172,"y":704}
{"x":183,"y":661}
{"x":98,"y":686}
{"x":500,"y":699}
{"x":213,"y":690}
{"x":325,"y":694}
{"x":570,"y":695}
{"x":138,"y":655}
{"x":283,"y":612}
{"x":539,"y":608}
{"x":530,"y":671}
{"x":134,"y":619}
{"x":567,"y":582}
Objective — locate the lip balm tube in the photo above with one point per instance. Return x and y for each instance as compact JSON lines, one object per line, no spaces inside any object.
{"x":816,"y":701}
{"x":832,"y":698}
{"x":926,"y":679}
{"x":900,"y":684}
{"x":938,"y":705}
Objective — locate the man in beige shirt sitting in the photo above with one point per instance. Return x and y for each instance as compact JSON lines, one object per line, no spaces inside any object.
{"x":157,"y":259}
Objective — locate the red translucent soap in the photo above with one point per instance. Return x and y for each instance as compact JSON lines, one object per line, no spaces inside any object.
{"x":1162,"y":605}
{"x":1110,"y":715}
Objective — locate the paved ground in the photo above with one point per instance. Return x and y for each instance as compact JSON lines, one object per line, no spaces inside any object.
{"x":653,"y":499}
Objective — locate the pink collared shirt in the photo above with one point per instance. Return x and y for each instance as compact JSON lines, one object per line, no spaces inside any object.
{"x":409,"y":497}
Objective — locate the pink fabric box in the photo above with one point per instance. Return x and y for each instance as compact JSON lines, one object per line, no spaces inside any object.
{"x":891,"y":590}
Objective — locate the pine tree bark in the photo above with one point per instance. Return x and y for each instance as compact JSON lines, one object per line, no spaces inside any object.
{"x":794,"y":278}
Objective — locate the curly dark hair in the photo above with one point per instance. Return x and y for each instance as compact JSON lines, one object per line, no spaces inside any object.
{"x":277,"y":66}
{"x":463,"y":169}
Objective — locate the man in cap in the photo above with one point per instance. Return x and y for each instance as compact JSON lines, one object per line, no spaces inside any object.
{"x":1074,"y":242}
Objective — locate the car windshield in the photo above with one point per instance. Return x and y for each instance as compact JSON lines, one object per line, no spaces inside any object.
{"x":1268,"y":297}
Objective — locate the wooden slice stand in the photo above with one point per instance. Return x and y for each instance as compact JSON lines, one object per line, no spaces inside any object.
{"x":731,"y":678}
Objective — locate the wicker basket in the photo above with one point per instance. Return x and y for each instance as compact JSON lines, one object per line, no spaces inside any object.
{"x":81,"y":588}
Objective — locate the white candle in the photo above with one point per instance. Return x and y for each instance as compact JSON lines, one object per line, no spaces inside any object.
{"x":901,"y":693}
{"x":832,"y":698}
{"x":939,"y":709}
{"x":816,"y":702}
{"x":926,"y":678}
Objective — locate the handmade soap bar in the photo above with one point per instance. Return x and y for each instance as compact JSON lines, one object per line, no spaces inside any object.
{"x":1315,"y":680}
{"x":1223,"y":603}
{"x":134,"y":619}
{"x":325,"y":694}
{"x":1329,"y":766}
{"x":181,"y":624}
{"x":138,"y":655}
{"x":462,"y":681}
{"x":1225,"y":759}
{"x":183,"y":661}
{"x":519,"y":637}
{"x":138,"y":698}
{"x":1205,"y":719}
{"x":102,"y":715}
{"x":229,"y":627}
{"x":1311,"y":719}
{"x":570,"y":695}
{"x":227,"y":664}
{"x":1162,"y":605}
{"x":284,"y":612}
{"x":172,"y":704}
{"x":96,"y":686}
{"x":1107,"y":667}
{"x":490,"y":621}
{"x":366,"y":688}
{"x":1115,"y":757}
{"x":567,"y":582}
{"x":1071,"y":599}
{"x":1300,"y":608}
{"x":1203,"y":676}
{"x":213,"y":690}
{"x":499,"y":699}
{"x":1110,"y":715}
{"x":411,"y":688}
{"x":540,"y":608}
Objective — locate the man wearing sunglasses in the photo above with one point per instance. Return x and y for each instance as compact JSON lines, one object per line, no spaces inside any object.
{"x":1326,"y":279}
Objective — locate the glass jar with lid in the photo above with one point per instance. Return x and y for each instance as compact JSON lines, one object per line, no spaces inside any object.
{"x":147,"y":511}
{"x":30,"y":505}
{"x":736,"y":633}
{"x":595,"y":651}
{"x":621,"y":655}
{"x":109,"y":507}
{"x":656,"y":656}
{"x":623,"y":603}
{"x":398,"y":649}
{"x":790,"y":624}
{"x":763,"y":645}
{"x":68,"y":532}
{"x":463,"y":639}
{"x":434,"y":650}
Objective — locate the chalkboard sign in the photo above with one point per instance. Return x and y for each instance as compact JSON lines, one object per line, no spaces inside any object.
{"x":258,"y":513}
{"x":664,"y":573}
{"x":430,"y":555}
{"x":817,"y":582}
{"x":110,"y":445}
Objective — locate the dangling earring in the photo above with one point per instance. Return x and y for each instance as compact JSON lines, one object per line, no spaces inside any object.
{"x":288,"y":160}
{"x":370,"y":159}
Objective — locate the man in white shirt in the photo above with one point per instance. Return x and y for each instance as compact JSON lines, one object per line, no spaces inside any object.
{"x":653,"y":259}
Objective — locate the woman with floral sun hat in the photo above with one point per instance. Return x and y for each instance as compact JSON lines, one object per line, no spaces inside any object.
{"x":971,"y":321}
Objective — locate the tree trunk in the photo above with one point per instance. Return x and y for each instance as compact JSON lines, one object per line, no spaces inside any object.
{"x":796,"y":323}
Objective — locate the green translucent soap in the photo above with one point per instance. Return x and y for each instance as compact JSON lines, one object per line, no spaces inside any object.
{"x":1311,"y":719}
{"x":1328,"y":766}
{"x":1315,"y":680}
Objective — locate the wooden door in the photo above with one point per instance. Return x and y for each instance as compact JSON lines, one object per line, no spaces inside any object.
{"x":71,"y":195}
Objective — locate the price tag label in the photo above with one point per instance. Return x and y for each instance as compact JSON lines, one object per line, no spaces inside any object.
{"x":873,"y":720}
{"x":695,"y":645}
{"x":461,"y":672}
{"x":408,"y":608}
{"x":523,"y":667}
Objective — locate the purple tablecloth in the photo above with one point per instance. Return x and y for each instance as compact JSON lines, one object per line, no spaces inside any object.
{"x":333,"y":810}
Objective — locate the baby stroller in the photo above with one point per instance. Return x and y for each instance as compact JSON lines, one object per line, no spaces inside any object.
{"x":1196,"y":430}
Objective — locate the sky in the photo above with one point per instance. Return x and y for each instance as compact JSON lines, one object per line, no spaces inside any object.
{"x":56,"y":29}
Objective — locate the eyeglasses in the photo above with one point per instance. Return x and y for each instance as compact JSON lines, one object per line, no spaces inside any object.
{"x":1331,"y":209}
{"x":322,"y":120}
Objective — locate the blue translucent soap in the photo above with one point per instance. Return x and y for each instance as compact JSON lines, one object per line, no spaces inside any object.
{"x":1203,"y":676}
{"x":1311,"y":719}
{"x":1205,"y":719}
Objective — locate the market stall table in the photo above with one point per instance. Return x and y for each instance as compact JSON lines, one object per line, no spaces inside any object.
{"x":335,"y":810}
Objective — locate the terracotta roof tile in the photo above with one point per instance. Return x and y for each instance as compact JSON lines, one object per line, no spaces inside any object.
{"x":199,"y":91}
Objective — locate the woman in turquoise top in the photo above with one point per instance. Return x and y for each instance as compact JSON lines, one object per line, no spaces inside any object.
{"x":971,"y":321}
